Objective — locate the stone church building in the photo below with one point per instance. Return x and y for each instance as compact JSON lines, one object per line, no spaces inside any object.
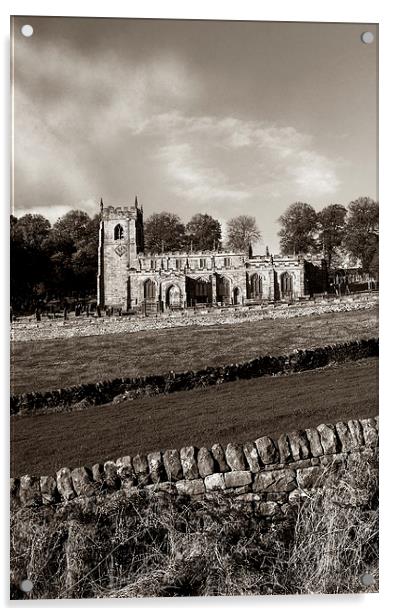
{"x":130,"y":278}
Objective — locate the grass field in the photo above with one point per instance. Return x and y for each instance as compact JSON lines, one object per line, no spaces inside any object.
{"x":235,"y":411}
{"x":51,"y":364}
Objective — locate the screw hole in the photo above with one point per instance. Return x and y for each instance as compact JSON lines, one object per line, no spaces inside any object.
{"x":27,"y":30}
{"x":26,"y":585}
{"x":367,"y":37}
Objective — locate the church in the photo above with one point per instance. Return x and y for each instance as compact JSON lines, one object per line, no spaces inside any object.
{"x":133,"y":280}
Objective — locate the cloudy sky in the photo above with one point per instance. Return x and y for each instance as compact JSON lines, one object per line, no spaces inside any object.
{"x":217,"y":117}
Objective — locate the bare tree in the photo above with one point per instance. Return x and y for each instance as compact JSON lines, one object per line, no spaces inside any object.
{"x":242,"y":231}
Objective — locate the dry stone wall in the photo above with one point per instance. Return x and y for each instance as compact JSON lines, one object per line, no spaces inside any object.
{"x":93,"y":394}
{"x":268,"y":473}
{"x":27,"y":329}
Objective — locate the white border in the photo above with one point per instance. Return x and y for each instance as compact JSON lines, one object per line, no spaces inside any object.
{"x":281,"y":10}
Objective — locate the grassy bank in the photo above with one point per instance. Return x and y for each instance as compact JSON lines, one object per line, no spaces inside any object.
{"x":52,"y":364}
{"x":236,"y":411}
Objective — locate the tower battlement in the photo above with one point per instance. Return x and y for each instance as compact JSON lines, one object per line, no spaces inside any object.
{"x":121,"y":211}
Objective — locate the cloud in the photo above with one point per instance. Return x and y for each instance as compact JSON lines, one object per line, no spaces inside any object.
{"x":232,"y":158}
{"x":93,"y":123}
{"x":195,"y":181}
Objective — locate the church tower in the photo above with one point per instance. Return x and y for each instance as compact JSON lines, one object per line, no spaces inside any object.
{"x":121,"y":239}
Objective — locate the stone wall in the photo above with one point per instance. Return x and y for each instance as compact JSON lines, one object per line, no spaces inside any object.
{"x":92,"y":394}
{"x":268,"y":473}
{"x":27,"y":328}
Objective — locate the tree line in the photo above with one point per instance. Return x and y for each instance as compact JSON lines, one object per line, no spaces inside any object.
{"x":335,"y":231}
{"x":60,"y":261}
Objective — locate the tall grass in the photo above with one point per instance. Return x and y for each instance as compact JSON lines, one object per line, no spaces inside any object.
{"x":166,"y":546}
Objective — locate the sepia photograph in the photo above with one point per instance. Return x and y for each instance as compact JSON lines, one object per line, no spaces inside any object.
{"x":194,"y":308}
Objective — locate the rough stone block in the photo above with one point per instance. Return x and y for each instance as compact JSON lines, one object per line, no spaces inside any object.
{"x":219,"y":458}
{"x":110,"y":474}
{"x":155,"y":466}
{"x":370,"y":433}
{"x":188,"y":462}
{"x":268,"y":509}
{"x":284,"y":449}
{"x":308,"y":478}
{"x":29,"y":490}
{"x":250,"y":497}
{"x":315,"y":443}
{"x":64,"y":484}
{"x":252,"y":457}
{"x":140,"y":467}
{"x":240,"y":489}
{"x":205,"y":462}
{"x":98,"y":473}
{"x":125,"y":471}
{"x":190,"y":486}
{"x":267,"y":450}
{"x":300,"y":464}
{"x":345,"y":437}
{"x":275,"y":481}
{"x":48,"y":489}
{"x":82,"y":482}
{"x":235,"y":457}
{"x":173,"y":468}
{"x":235,"y":479}
{"x":329,"y":440}
{"x":214,"y":482}
{"x":356,"y":433}
{"x":299,"y":445}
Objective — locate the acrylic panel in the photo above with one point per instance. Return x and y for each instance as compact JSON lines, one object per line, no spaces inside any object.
{"x":194,"y":308}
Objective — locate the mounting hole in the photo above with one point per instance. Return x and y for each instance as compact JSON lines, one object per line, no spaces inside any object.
{"x":26,"y":585}
{"x":27,"y":30}
{"x":367,"y":37}
{"x":367,"y":579}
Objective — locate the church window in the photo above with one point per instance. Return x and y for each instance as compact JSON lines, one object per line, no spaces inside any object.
{"x":118,"y":232}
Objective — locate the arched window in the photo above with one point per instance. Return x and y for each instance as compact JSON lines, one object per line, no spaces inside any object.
{"x":256,"y":286}
{"x":286,"y":284}
{"x":149,"y":290}
{"x":118,"y":232}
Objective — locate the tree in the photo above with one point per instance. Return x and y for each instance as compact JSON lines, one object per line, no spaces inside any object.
{"x":331,"y":230}
{"x":299,"y":229}
{"x":164,"y":232}
{"x":204,"y":232}
{"x":242,"y":231}
{"x":73,"y":245}
{"x":29,"y":259}
{"x":361,"y":236}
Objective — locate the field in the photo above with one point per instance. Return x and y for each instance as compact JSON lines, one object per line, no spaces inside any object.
{"x":235,"y":411}
{"x":51,"y":364}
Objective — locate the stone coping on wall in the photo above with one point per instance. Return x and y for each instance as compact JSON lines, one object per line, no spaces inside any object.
{"x":104,"y":392}
{"x":270,"y":471}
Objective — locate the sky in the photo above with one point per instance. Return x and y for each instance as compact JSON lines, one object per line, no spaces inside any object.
{"x":217,"y":117}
